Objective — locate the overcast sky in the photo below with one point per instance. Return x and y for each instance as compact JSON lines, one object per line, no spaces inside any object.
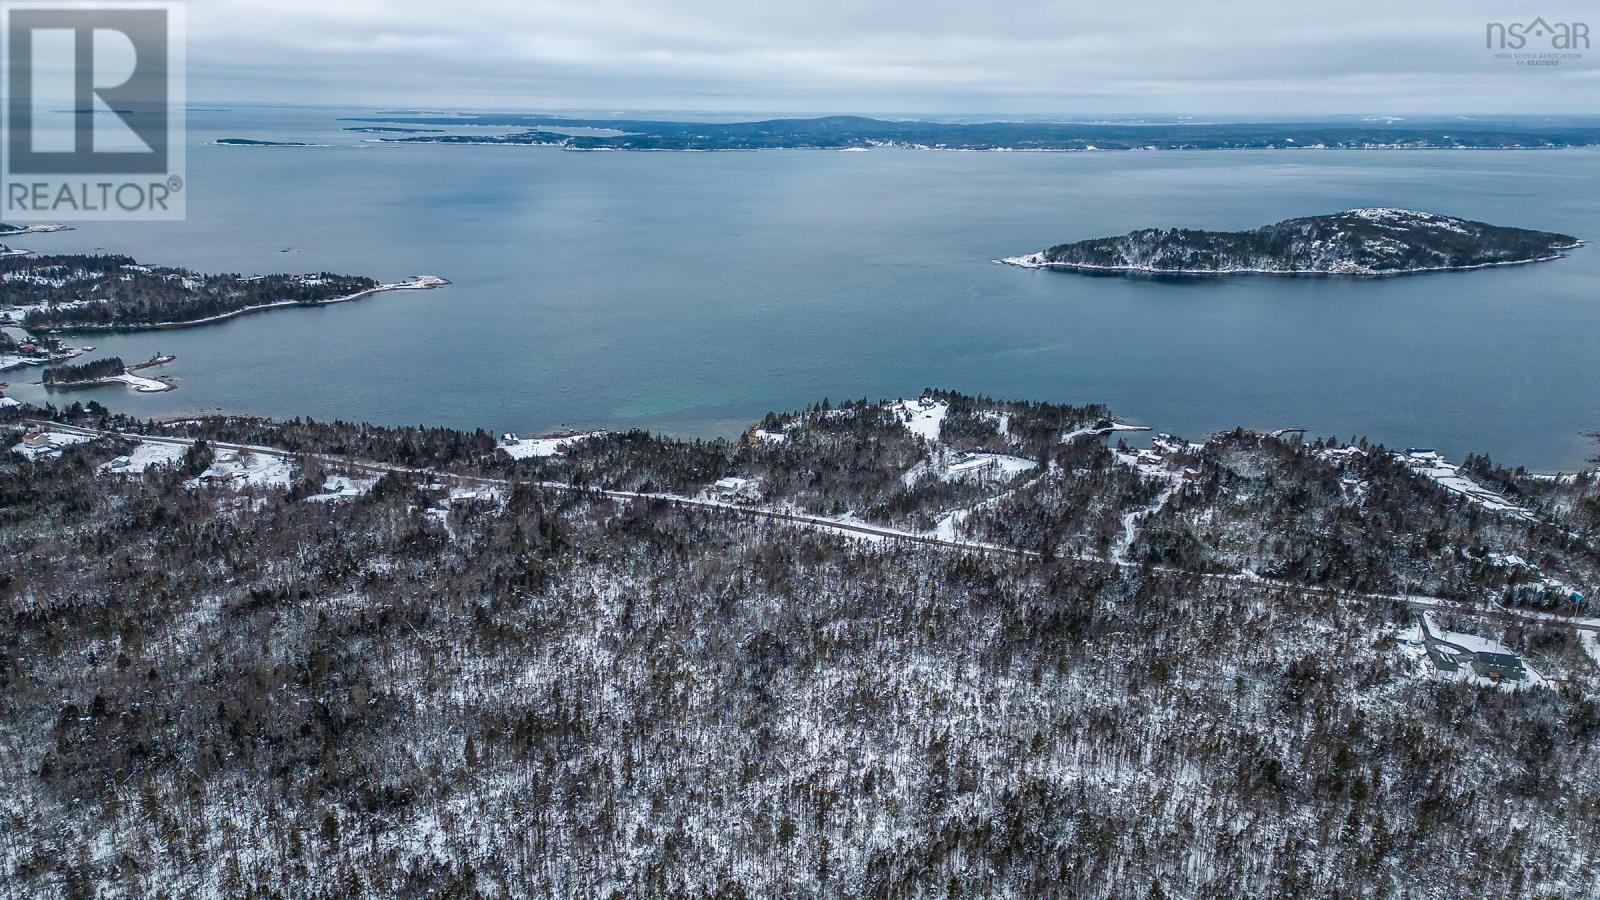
{"x":910,"y":56}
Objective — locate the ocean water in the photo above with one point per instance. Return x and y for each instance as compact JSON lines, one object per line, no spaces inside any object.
{"x":692,"y":292}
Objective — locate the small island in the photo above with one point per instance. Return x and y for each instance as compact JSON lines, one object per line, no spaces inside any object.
{"x":252,"y":142}
{"x":1356,"y":242}
{"x":8,"y":230}
{"x":102,"y":371}
{"x":77,"y":292}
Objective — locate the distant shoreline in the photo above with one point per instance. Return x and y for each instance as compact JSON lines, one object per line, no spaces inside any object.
{"x":848,"y":132}
{"x":480,"y":141}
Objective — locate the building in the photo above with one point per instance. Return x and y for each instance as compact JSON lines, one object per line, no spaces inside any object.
{"x":1498,"y":666}
{"x":1449,"y":656}
{"x":735,"y":489}
{"x":36,"y":440}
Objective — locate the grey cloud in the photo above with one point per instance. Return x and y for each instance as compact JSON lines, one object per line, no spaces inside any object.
{"x":941,"y":56}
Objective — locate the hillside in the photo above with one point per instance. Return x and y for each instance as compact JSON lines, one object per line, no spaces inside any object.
{"x":1355,"y":242}
{"x":229,"y":671}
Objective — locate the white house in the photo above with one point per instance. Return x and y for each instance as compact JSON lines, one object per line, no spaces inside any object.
{"x":734,"y":488}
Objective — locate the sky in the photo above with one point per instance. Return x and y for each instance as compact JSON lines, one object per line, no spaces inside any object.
{"x":946,"y":57}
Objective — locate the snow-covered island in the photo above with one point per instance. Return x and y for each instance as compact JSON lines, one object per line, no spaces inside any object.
{"x":1355,"y":242}
{"x":106,"y":371}
{"x":7,"y":229}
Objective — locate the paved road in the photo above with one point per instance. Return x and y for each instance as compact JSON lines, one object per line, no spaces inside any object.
{"x":859,"y":528}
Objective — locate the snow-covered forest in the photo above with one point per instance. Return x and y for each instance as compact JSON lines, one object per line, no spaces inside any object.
{"x":250,"y":658}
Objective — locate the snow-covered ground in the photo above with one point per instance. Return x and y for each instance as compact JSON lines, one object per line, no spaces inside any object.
{"x":245,"y":469}
{"x":12,"y":361}
{"x":947,"y":466}
{"x":1591,"y":645}
{"x":1546,"y":580}
{"x":141,"y":384}
{"x":144,"y":456}
{"x":56,"y":440}
{"x":342,"y":487}
{"x":488,"y":494}
{"x":1149,"y":463}
{"x":525,"y":448}
{"x":1068,"y":437}
{"x":923,"y":417}
{"x":1433,"y":466}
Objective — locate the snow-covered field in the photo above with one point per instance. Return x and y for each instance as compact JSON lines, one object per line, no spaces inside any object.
{"x":923,"y":418}
{"x":526,"y":448}
{"x":244,"y":469}
{"x":144,"y":456}
{"x":56,"y":440}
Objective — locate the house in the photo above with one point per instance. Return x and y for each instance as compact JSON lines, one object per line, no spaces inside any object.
{"x":1498,"y":666}
{"x":734,"y":489}
{"x":36,"y":440}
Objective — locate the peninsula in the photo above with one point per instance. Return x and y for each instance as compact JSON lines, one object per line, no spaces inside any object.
{"x":111,"y":292}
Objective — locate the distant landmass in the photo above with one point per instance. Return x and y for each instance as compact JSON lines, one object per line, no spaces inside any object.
{"x":1355,"y":242}
{"x":382,"y":129}
{"x":862,"y":133}
{"x":252,"y":142}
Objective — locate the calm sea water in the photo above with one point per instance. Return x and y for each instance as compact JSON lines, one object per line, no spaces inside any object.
{"x":692,"y":292}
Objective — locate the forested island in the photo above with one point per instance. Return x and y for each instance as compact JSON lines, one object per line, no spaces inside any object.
{"x":938,"y":646}
{"x":253,"y":142}
{"x":858,"y":132}
{"x":107,"y":291}
{"x":78,"y":373}
{"x":1355,"y":242}
{"x":110,"y":370}
{"x":41,"y":228}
